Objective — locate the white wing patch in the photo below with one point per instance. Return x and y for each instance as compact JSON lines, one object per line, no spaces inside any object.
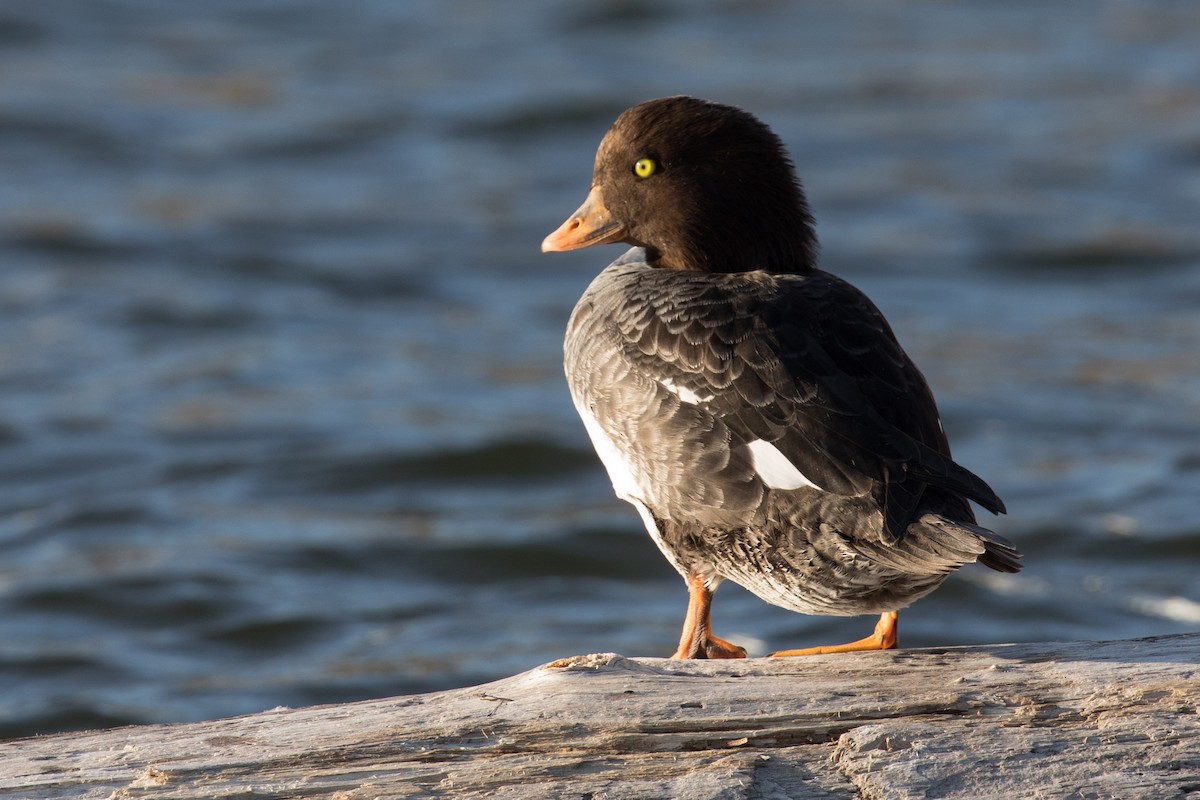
{"x":626,"y":486}
{"x":623,"y":480}
{"x":683,"y":393}
{"x":774,"y":469}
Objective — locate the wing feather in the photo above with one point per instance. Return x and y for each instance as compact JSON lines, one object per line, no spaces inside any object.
{"x":684,"y":370}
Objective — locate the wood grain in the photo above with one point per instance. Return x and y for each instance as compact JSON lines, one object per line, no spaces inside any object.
{"x":1081,"y":719}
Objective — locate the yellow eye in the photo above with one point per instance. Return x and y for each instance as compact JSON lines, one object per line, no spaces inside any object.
{"x":645,"y":167}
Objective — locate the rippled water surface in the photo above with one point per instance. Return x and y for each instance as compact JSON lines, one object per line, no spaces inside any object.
{"x":282,"y":419}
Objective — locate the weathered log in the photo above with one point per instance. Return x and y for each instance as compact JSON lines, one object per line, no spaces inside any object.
{"x":1084,"y":719}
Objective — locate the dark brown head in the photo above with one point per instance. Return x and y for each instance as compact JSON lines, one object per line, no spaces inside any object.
{"x":701,"y":186}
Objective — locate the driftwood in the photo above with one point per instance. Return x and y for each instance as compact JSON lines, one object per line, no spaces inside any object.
{"x":1085,"y":719}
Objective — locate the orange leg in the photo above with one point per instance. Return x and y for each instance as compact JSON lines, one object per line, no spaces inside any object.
{"x":697,"y":640}
{"x":885,"y":637}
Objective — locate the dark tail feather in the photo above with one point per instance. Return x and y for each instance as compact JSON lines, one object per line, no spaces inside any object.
{"x":938,"y":470}
{"x":935,"y":545}
{"x":998,"y":553}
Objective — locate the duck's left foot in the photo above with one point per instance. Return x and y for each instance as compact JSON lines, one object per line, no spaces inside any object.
{"x":885,"y":637}
{"x":697,"y":640}
{"x":709,"y":647}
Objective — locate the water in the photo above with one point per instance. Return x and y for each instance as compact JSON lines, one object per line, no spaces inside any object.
{"x":282,"y":418}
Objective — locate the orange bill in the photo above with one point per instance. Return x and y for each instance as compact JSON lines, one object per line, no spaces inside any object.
{"x":591,"y":224}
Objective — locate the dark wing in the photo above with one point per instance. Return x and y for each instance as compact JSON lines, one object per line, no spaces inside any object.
{"x":687,"y":373}
{"x":861,"y":408}
{"x":629,"y":375}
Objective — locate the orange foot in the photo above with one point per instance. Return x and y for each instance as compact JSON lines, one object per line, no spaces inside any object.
{"x":697,"y":640}
{"x":709,"y":647}
{"x":885,"y":637}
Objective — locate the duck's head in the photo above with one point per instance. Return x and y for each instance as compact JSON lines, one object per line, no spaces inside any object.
{"x":701,"y":186}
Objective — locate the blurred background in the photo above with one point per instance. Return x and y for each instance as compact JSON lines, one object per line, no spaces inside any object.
{"x":282,"y":417}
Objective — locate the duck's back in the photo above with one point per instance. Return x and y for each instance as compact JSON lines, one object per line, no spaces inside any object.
{"x":768,"y":403}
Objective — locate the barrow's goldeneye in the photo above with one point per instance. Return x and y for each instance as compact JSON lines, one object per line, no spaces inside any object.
{"x":756,"y":411}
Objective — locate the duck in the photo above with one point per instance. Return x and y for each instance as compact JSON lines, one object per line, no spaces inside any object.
{"x":757,"y":411}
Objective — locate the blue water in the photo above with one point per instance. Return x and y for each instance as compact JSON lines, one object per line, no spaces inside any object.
{"x":282,"y":418}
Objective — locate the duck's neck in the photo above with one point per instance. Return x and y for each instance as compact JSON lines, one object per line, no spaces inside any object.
{"x":787,"y":245}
